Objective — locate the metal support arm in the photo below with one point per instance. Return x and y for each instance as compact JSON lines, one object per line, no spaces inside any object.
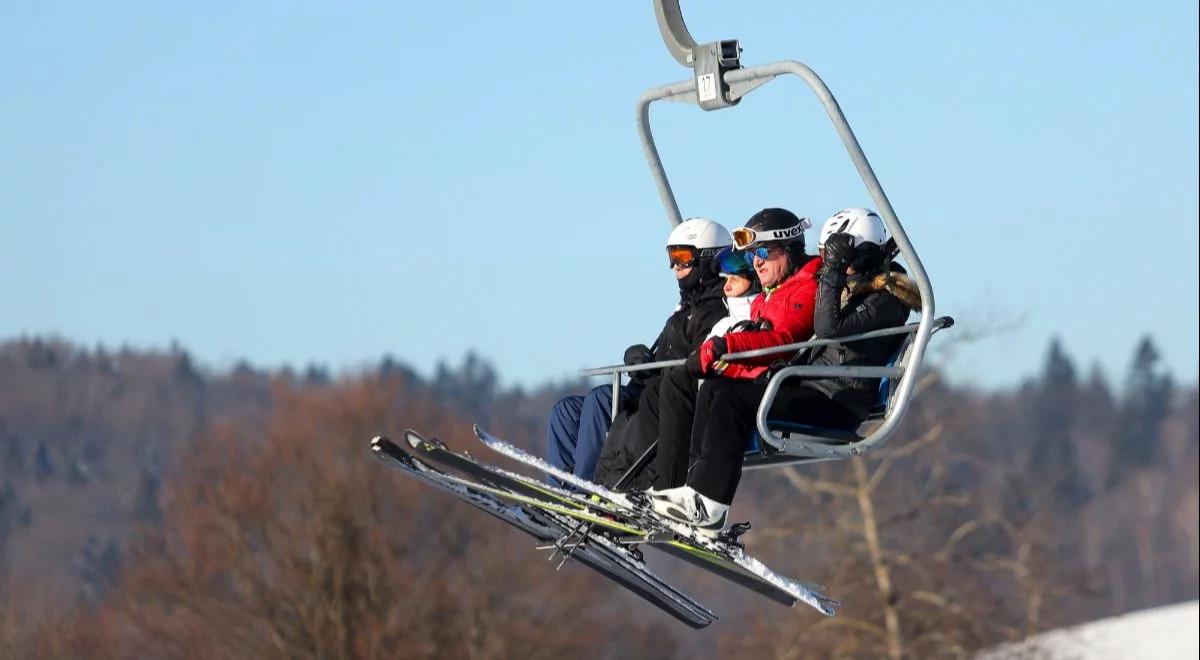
{"x":674,"y":31}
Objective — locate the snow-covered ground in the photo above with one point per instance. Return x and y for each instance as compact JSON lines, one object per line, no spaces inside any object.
{"x":1161,"y":633}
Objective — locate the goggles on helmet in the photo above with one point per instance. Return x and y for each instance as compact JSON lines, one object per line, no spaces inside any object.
{"x":745,"y":237}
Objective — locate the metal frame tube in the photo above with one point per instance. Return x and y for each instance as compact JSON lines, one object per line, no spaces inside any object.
{"x":945,"y":321}
{"x":616,"y":394}
{"x":917,"y":272}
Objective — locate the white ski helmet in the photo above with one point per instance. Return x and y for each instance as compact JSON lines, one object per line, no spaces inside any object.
{"x":696,"y":240}
{"x":700,"y":233}
{"x":864,"y":224}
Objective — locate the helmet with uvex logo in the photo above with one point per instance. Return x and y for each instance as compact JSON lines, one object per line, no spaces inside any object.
{"x":773,"y":227}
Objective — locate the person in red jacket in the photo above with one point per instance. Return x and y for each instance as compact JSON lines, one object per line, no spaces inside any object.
{"x":773,"y":239}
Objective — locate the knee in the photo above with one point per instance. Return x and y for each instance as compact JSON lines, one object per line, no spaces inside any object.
{"x":677,"y":374}
{"x":713,"y":390}
{"x":566,"y":408}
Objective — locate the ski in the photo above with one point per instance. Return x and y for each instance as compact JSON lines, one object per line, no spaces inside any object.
{"x":606,"y":557}
{"x":435,"y":450}
{"x":733,"y":554}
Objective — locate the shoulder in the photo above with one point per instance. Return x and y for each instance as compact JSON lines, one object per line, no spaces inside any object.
{"x":803,"y":280}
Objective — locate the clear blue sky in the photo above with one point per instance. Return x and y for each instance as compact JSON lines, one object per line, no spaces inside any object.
{"x":303,"y":181}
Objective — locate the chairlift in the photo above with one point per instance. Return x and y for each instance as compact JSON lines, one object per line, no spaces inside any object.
{"x":720,"y":81}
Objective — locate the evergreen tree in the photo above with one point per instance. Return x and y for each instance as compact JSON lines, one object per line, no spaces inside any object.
{"x":1052,"y":459}
{"x":1147,"y":400}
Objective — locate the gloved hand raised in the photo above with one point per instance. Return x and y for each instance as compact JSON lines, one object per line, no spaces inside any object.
{"x":638,"y":354}
{"x":839,"y":252}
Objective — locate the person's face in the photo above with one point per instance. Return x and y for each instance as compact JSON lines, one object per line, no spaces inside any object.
{"x":681,"y":271}
{"x":736,"y":285}
{"x":773,"y":269}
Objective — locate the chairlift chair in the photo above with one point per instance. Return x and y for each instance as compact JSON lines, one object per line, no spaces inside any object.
{"x":720,"y":81}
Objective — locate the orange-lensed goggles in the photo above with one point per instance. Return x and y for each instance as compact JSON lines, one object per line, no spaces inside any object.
{"x":683,"y":256}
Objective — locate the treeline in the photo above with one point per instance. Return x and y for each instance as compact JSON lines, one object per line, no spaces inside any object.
{"x":149,"y":507}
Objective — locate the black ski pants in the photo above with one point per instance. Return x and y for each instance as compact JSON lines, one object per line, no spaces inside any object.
{"x":624,"y":444}
{"x":671,"y":423}
{"x":725,"y":411}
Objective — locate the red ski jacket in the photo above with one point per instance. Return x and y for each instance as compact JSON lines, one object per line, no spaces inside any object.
{"x":789,"y":307}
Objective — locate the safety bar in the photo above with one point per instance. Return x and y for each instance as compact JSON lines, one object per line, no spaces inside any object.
{"x":616,"y":370}
{"x":943,"y":322}
{"x":740,"y":82}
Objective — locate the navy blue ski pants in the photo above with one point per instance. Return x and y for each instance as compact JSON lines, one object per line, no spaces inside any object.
{"x":578,"y":426}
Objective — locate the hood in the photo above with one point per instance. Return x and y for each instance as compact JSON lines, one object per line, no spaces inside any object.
{"x":895,"y":282}
{"x":696,"y":294}
{"x":739,"y":307}
{"x":699,"y":280}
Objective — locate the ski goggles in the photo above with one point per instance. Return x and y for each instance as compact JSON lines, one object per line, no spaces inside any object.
{"x":745,"y":238}
{"x":760,"y":252}
{"x":685,"y":256}
{"x":734,"y":263}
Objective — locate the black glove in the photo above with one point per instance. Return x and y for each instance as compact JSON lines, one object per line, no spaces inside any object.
{"x":868,"y":259}
{"x":638,"y":354}
{"x":692,"y":365}
{"x":839,"y":252}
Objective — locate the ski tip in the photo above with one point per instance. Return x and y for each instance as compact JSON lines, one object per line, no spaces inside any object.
{"x":414,"y":439}
{"x":479,"y":432}
{"x":383,"y":446}
{"x":828,"y":606}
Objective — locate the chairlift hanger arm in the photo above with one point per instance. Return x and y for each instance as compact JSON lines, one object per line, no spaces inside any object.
{"x":674,"y":31}
{"x":709,"y":62}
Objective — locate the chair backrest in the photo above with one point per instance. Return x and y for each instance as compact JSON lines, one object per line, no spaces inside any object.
{"x":888,"y":386}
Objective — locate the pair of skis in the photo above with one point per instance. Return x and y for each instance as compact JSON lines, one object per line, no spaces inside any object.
{"x":613,"y":525}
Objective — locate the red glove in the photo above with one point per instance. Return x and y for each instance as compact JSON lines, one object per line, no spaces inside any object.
{"x":711,"y":351}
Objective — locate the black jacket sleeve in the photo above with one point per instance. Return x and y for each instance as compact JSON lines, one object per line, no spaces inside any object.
{"x":873,"y":312}
{"x":703,"y":320}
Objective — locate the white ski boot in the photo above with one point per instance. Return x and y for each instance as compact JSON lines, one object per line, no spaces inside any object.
{"x":689,"y":507}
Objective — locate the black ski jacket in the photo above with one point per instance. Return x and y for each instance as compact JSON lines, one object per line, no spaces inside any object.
{"x":698,"y":311}
{"x":850,"y":306}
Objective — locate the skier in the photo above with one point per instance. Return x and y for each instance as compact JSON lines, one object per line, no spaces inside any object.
{"x":741,"y":288}
{"x":859,"y":290}
{"x":773,"y":241}
{"x":578,"y":424}
{"x":620,"y":453}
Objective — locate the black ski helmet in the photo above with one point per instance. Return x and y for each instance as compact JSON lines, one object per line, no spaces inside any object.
{"x":775,"y":226}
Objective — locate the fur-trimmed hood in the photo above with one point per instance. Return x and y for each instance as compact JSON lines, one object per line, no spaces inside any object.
{"x":894,"y":282}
